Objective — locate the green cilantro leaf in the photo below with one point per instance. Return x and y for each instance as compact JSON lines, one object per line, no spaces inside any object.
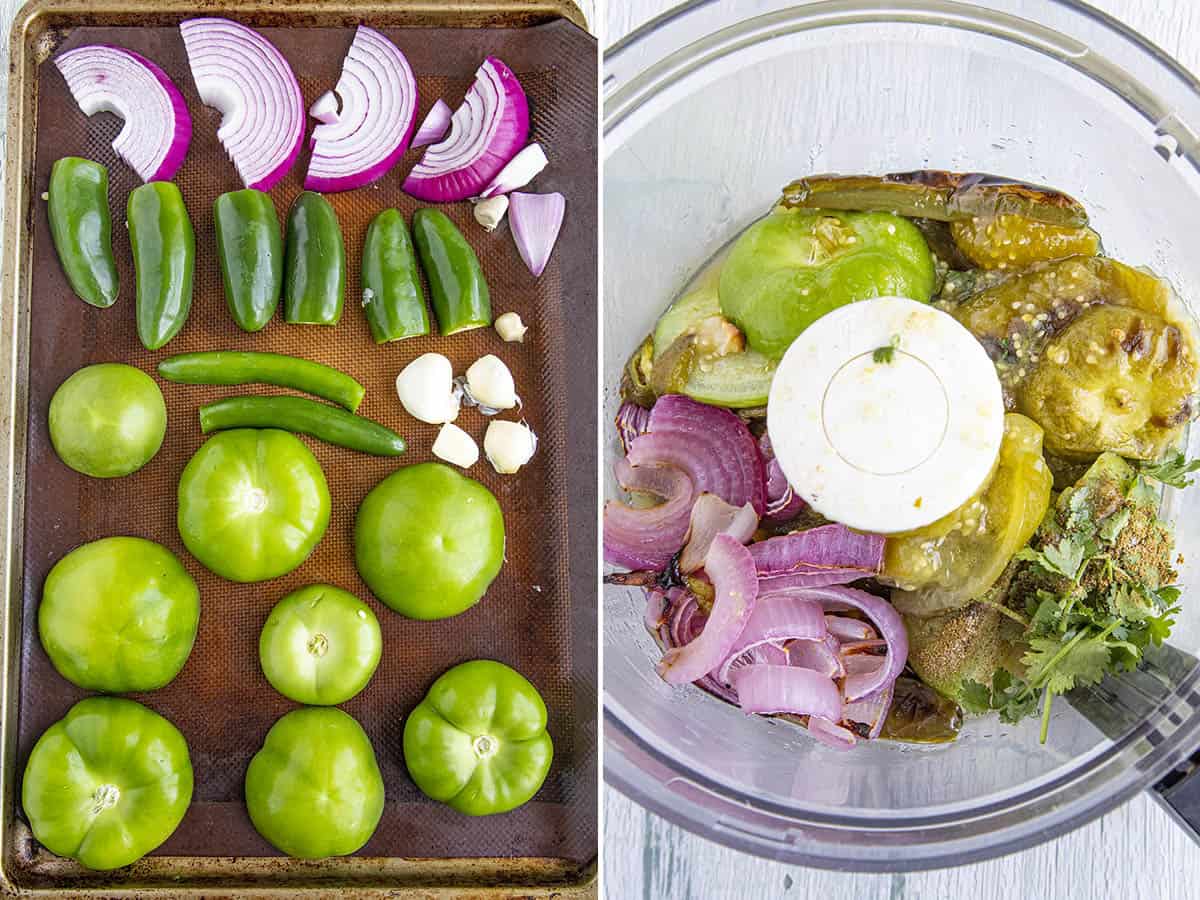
{"x":1171,"y":471}
{"x":975,"y":697}
{"x":1064,"y":558}
{"x":887,"y":353}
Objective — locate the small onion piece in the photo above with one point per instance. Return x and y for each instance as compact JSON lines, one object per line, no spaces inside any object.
{"x":434,"y":126}
{"x":889,"y":625}
{"x":631,"y":421}
{"x":826,"y":546}
{"x":240,"y":73}
{"x":535,"y":220}
{"x":783,"y":503}
{"x":325,"y":108}
{"x":517,"y":172}
{"x":647,"y":537}
{"x":486,"y":131}
{"x":846,"y":629}
{"x":157,"y":127}
{"x":712,"y":516}
{"x":831,"y":734}
{"x":870,"y":711}
{"x":378,"y":113}
{"x":773,"y":622}
{"x":811,"y":576}
{"x":771,"y":689}
{"x":732,"y":572}
{"x":822,"y":656}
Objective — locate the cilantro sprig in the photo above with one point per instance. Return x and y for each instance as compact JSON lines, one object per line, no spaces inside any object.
{"x":887,"y":353}
{"x":1172,"y":471}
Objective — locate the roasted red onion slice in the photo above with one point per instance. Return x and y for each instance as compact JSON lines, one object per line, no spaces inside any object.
{"x":731,"y":570}
{"x":846,"y":629}
{"x":822,"y":656}
{"x":783,"y":503}
{"x":157,"y":127}
{"x":779,"y":619}
{"x":631,"y":421}
{"x":827,"y":546}
{"x":810,"y":576}
{"x":378,"y":112}
{"x":889,"y":625}
{"x":831,"y":734}
{"x":787,"y":689}
{"x":488,"y":130}
{"x":712,"y":516}
{"x":240,"y":73}
{"x":647,"y":537}
{"x":870,"y":712}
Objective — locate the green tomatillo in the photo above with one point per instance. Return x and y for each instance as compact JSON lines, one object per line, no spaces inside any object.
{"x":314,"y":789}
{"x":107,"y":783}
{"x":252,"y":504}
{"x":119,"y":614}
{"x":478,"y":740}
{"x":320,"y":645}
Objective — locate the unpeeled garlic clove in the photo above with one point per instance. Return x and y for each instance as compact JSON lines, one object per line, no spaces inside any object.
{"x":509,"y":445}
{"x":426,"y":389}
{"x":456,"y":446}
{"x":491,"y":383}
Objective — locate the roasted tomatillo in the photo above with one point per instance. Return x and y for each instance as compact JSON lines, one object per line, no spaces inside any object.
{"x":478,"y":740}
{"x":107,"y":783}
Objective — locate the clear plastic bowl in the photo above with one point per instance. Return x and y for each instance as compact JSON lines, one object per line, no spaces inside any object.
{"x":709,"y":111}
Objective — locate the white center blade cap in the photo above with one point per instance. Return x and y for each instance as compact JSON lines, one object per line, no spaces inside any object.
{"x":888,"y":444}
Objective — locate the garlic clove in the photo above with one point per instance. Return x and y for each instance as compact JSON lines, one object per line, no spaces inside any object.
{"x":456,"y":446}
{"x":490,"y":212}
{"x":491,"y":383}
{"x":509,"y":445}
{"x":426,"y":389}
{"x":510,"y":327}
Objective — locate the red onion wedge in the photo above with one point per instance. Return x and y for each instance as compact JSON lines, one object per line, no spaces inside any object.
{"x":535,"y":220}
{"x":787,"y":689}
{"x":712,"y":516}
{"x":485,"y":133}
{"x":157,"y":127}
{"x":325,"y":108}
{"x":434,"y":126}
{"x":647,"y":537}
{"x":773,"y":622}
{"x":828,"y":546}
{"x":889,"y":625}
{"x":517,"y":172}
{"x":378,"y":94}
{"x":240,"y":73}
{"x":732,"y":572}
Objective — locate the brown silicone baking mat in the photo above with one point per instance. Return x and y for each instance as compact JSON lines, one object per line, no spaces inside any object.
{"x":539,"y":615}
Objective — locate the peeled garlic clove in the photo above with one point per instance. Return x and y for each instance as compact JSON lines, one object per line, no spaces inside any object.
{"x":510,"y":327}
{"x":491,"y":383}
{"x":509,"y":445}
{"x":456,"y":446}
{"x":490,"y":212}
{"x":426,"y":389}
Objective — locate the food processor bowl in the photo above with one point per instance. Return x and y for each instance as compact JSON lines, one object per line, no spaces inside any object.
{"x":709,"y":111}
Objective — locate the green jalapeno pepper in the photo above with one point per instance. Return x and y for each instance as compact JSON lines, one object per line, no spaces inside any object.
{"x":456,"y":284}
{"x":164,"y":260}
{"x":81,"y":227}
{"x":314,"y":264}
{"x":325,"y":423}
{"x":392,"y":297}
{"x":250,"y":247}
{"x":246,"y":367}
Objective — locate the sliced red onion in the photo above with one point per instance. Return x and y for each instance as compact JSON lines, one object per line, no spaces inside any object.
{"x":325,"y":109}
{"x":686,"y":619}
{"x":778,"y":620}
{"x":863,"y":656}
{"x":712,"y":445}
{"x":434,"y":126}
{"x":823,"y":655}
{"x":783,"y":503}
{"x":787,"y":689}
{"x":485,"y":132}
{"x":889,"y":625}
{"x":731,"y":570}
{"x":535,"y":220}
{"x":832,"y":734}
{"x":811,"y":576}
{"x":647,"y":537}
{"x":846,"y":629}
{"x":517,"y":172}
{"x":712,"y":516}
{"x":378,"y":113}
{"x":829,"y":545}
{"x":655,"y":615}
{"x":631,"y":421}
{"x":870,"y":712}
{"x":157,"y":128}
{"x":240,"y":73}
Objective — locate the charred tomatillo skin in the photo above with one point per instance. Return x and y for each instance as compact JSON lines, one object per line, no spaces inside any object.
{"x":392,"y":298}
{"x":314,"y":268}
{"x":252,"y":504}
{"x":326,"y":423}
{"x":790,"y":268}
{"x":107,"y":783}
{"x":456,"y":284}
{"x":250,"y":247}
{"x":107,"y":420}
{"x":428,"y":541}
{"x":314,"y":789}
{"x":118,"y":615}
{"x":248,"y":367}
{"x":81,"y":227}
{"x":320,"y":645}
{"x":164,"y":260}
{"x":478,"y":740}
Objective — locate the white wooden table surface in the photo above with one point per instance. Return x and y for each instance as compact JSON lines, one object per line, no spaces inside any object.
{"x":1134,"y":852}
